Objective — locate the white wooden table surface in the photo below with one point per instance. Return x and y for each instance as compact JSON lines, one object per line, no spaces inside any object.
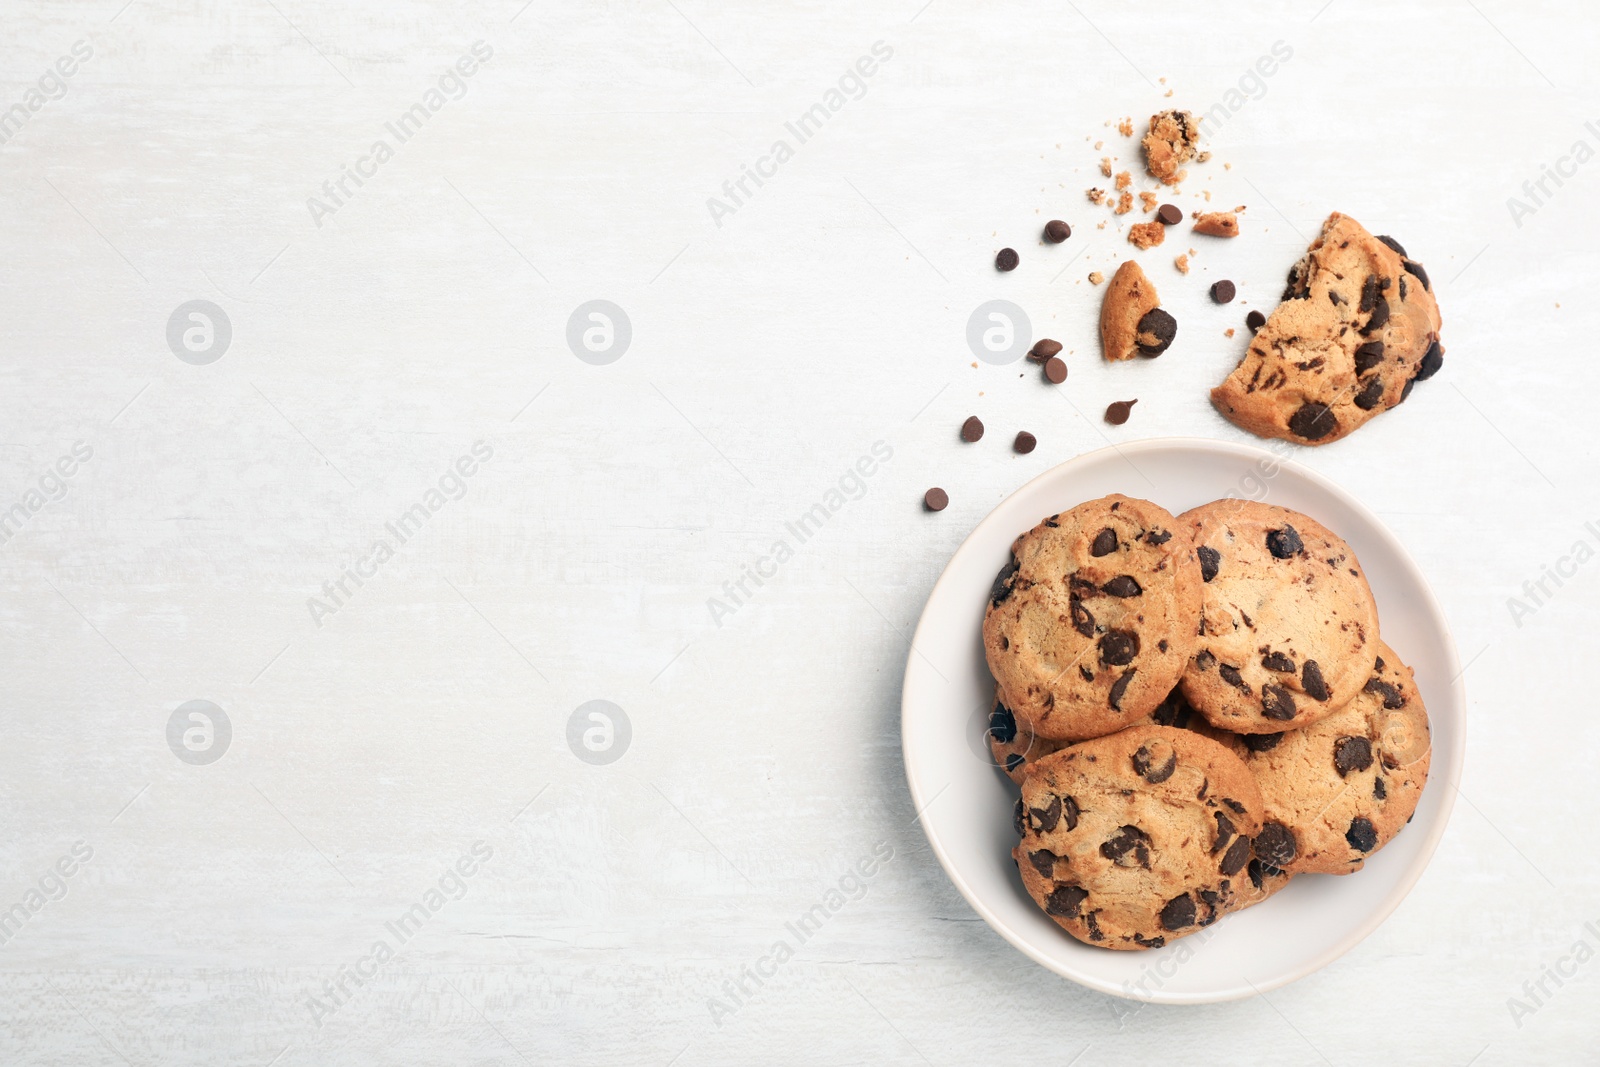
{"x":178,"y":519}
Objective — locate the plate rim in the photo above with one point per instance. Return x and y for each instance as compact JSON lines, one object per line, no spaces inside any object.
{"x":1457,"y":751}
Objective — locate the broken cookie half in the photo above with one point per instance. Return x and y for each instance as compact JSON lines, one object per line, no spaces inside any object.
{"x":1357,"y":328}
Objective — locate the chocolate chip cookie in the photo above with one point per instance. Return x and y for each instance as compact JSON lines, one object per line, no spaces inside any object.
{"x":1139,"y":838}
{"x":1132,"y":322}
{"x":1357,"y":328}
{"x":1091,"y":622}
{"x":1338,"y":790}
{"x":1289,"y":630}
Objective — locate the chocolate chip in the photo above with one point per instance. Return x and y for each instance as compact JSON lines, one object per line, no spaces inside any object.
{"x":1210,"y":560}
{"x":1405,"y":390}
{"x":1093,"y":923}
{"x":1013,"y":761}
{"x":1055,"y":369}
{"x":1232,"y":676}
{"x":1351,"y":754}
{"x":1158,"y":537}
{"x":1392,"y":243}
{"x":1380,"y":316}
{"x":1118,"y":647}
{"x":1045,"y":819}
{"x":1179,"y":911}
{"x":1024,"y":443}
{"x":1155,"y":761}
{"x":1119,"y":687}
{"x":1081,"y":588}
{"x":936,"y":499}
{"x":1415,"y":270}
{"x":1069,"y":813}
{"x":1004,"y":582}
{"x":1002,"y":724}
{"x":1082,"y":621}
{"x":972,"y":429}
{"x":1390,"y":694}
{"x":1223,"y":292}
{"x":1117,"y":411}
{"x":1284,"y":543}
{"x":1085,"y":673}
{"x":1056,"y":231}
{"x":1369,"y":293}
{"x":1312,"y":682}
{"x":1432,"y":360}
{"x":1275,"y":845}
{"x":1277,"y":661}
{"x":1255,"y":320}
{"x":1169,"y":214}
{"x":1233,"y":805}
{"x":1149,"y":942}
{"x":1129,"y":847}
{"x":1379,"y":790}
{"x":1276,"y":703}
{"x":1262,"y":742}
{"x":1007,"y":259}
{"x":1064,"y":901}
{"x":1123,"y":585}
{"x":1156,"y":331}
{"x":1368,"y":356}
{"x":1369,"y":396}
{"x":1044,"y":861}
{"x":1043,"y":349}
{"x":1362,"y":835}
{"x":1105,"y":542}
{"x":1225,"y":832}
{"x":1313,"y":421}
{"x":1237,"y":856}
{"x":1204,"y":659}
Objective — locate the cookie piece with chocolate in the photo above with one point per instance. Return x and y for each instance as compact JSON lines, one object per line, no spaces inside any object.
{"x":1357,"y":328}
{"x":1340,"y":789}
{"x":1137,"y":839}
{"x":1091,"y":622}
{"x":1289,"y":630}
{"x":1170,"y":144}
{"x":1132,"y":322}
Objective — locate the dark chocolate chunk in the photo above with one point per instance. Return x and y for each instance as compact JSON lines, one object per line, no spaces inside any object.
{"x":1128,"y":847}
{"x":972,"y":429}
{"x":1223,"y":292}
{"x":1024,"y":443}
{"x":1415,"y":269}
{"x":1362,"y":835}
{"x":1390,"y":694}
{"x":1105,"y":542}
{"x":1044,"y":861}
{"x":1370,"y":394}
{"x":1178,"y":913}
{"x":1007,"y":259}
{"x":1313,"y":421}
{"x":1284,"y":543}
{"x":1392,"y":243}
{"x":1158,"y":537}
{"x":1275,"y":844}
{"x":1432,"y":360}
{"x":1064,"y":901}
{"x":1312,"y":682}
{"x":1232,"y":676}
{"x":1262,"y":742}
{"x":1017,"y":814}
{"x":1069,"y":813}
{"x":1002,"y":724}
{"x":1121,"y":586}
{"x":1351,"y":754}
{"x":1082,"y":621}
{"x":1155,"y":765}
{"x":1368,"y":356}
{"x":1210,"y":560}
{"x":1119,"y":687}
{"x":1118,"y":647}
{"x":1276,"y":703}
{"x":1013,"y":761}
{"x":1045,"y":818}
{"x":1277,"y":661}
{"x":1204,"y":659}
{"x":1369,"y":293}
{"x":1255,"y":320}
{"x":1380,"y":316}
{"x":1379,"y":790}
{"x":1004,"y":582}
{"x":1056,"y":231}
{"x":1226,"y":832}
{"x":1156,"y":331}
{"x":1237,"y":856}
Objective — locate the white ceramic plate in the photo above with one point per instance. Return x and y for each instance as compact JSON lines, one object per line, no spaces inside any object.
{"x":966,"y":803}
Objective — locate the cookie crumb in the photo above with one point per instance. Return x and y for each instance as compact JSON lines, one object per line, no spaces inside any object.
{"x":1149,"y":200}
{"x":1203,"y":157}
{"x":1095,"y":278}
{"x":1217,"y":224}
{"x":1105,"y":167}
{"x":1169,"y":145}
{"x":1182,"y":263}
{"x":1228,"y":332}
{"x":1146,"y":235}
{"x":1096,"y":196}
{"x":1124,"y":179}
{"x":1124,"y":203}
{"x":1125,"y":127}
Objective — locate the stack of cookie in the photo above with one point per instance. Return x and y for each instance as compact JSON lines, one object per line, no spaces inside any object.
{"x":1197,"y":709}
